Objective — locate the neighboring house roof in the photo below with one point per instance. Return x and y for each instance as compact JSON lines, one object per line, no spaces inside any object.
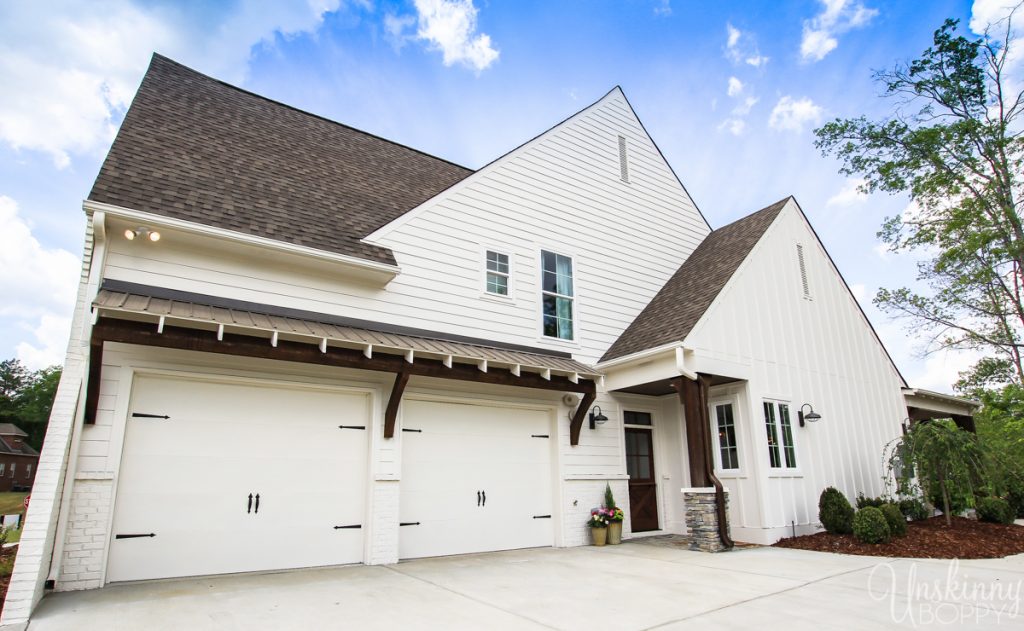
{"x":197,"y":149}
{"x":9,"y":448}
{"x":10,"y":429}
{"x":118,"y":296}
{"x":677,"y":307}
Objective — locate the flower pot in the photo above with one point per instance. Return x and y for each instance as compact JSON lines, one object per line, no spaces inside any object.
{"x":600,"y":536}
{"x":615,"y":533}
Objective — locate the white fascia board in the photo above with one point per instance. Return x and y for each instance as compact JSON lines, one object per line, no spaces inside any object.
{"x":374,"y":237}
{"x":151,"y":219}
{"x":939,"y":396}
{"x":639,"y":355}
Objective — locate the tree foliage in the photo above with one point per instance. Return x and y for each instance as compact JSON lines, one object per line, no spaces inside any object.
{"x":943,"y":461}
{"x":26,"y":398}
{"x":954,"y":144}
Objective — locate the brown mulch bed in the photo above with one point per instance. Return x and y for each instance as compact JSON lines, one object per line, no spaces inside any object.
{"x":927,"y":539}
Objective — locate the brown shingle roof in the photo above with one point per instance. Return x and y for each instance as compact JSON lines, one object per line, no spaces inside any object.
{"x":198,"y":149}
{"x":677,"y":307}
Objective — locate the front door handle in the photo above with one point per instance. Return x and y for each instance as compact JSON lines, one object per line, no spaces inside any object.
{"x":478,"y":498}
{"x":257,"y":503}
{"x":484,"y":494}
{"x":249,"y":510}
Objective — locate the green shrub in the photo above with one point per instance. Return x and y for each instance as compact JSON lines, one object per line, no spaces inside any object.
{"x":835,"y":512}
{"x":864,"y":502}
{"x":958,"y":500}
{"x":870,"y":526}
{"x":895,"y":518}
{"x":1015,"y":496}
{"x":995,"y":510}
{"x":914,"y":509}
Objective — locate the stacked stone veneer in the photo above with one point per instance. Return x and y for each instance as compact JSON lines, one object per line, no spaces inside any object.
{"x":702,"y":519}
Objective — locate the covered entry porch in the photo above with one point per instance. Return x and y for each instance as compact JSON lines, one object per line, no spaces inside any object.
{"x":678,"y":425}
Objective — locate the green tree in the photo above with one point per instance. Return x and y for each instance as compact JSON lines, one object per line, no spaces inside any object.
{"x":941,"y":459}
{"x":953,"y":143}
{"x":26,"y":398}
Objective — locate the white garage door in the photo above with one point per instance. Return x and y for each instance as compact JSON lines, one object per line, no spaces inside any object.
{"x":238,"y":477}
{"x":474,"y":478}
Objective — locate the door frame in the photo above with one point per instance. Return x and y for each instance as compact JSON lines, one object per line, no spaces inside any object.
{"x":126,"y":396}
{"x":628,"y":405}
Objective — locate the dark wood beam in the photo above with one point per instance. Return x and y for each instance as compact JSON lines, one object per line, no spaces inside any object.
{"x":145,"y":334}
{"x":694,"y":396}
{"x":577,"y":418}
{"x":92,"y":383}
{"x":391,"y":413}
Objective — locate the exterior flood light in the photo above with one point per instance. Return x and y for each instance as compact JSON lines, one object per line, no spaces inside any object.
{"x":810,"y":417}
{"x":596,"y":417}
{"x":143,"y":233}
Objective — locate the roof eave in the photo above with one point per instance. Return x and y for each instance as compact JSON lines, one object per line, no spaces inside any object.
{"x":375,"y":271}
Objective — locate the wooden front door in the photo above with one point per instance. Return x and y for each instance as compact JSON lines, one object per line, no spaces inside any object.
{"x":643,"y":490}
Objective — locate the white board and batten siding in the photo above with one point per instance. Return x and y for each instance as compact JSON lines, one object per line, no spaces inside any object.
{"x":817,"y":349}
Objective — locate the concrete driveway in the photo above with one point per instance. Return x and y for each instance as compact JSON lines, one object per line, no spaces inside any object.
{"x":632,"y":586}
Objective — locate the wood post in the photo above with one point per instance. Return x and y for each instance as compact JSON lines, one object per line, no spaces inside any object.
{"x":391,"y":413}
{"x":92,"y":383}
{"x":577,"y":419}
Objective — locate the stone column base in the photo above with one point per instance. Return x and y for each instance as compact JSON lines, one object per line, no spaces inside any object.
{"x":702,"y":519}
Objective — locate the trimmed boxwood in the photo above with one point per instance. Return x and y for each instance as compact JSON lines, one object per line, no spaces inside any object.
{"x":995,"y":510}
{"x":914,"y":509}
{"x":835,"y":512}
{"x":864,"y":501}
{"x":896,"y":520}
{"x":870,"y":526}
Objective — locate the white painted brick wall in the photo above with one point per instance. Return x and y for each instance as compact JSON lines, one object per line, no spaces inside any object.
{"x":86,"y":536}
{"x":583,"y":495}
{"x":383,"y":544}
{"x":36,"y":548}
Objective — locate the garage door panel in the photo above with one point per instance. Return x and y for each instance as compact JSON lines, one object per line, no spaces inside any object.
{"x":462,"y":449}
{"x":188,"y":479}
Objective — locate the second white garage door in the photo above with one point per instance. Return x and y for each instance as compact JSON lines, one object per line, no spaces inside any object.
{"x":221,"y":477}
{"x":475,"y":478}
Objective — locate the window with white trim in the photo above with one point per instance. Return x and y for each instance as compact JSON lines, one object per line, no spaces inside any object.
{"x":557,"y":295}
{"x":14,"y":466}
{"x":728,"y":450}
{"x":497,"y":273}
{"x":3,"y":465}
{"x":28,"y":472}
{"x":781,"y":449}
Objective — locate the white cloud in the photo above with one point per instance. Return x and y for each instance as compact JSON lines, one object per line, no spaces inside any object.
{"x":883,"y":251}
{"x":741,"y":48}
{"x":791,"y":114}
{"x":993,"y":13}
{"x":69,"y":71}
{"x":38,"y":285}
{"x":663,"y":8}
{"x":450,"y":26}
{"x":859,"y":291}
{"x":734,"y":126}
{"x":836,"y":17}
{"x":942,"y":369}
{"x":735,"y":87}
{"x":849,"y":195}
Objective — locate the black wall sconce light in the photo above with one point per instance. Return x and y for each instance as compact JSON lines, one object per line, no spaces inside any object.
{"x":810,"y":417}
{"x":596,"y":417}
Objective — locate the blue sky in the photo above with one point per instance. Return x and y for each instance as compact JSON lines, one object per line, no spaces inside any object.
{"x":730,"y":92}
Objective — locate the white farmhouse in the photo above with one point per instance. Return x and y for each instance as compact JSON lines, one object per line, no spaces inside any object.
{"x":286,"y":326}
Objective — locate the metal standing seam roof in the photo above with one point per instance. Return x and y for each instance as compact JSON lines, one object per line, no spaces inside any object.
{"x":461,"y":352}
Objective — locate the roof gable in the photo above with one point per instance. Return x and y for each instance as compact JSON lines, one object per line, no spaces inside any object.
{"x":679,"y":305}
{"x":197,"y":149}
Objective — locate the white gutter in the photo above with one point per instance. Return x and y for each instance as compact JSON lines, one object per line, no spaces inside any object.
{"x":151,"y":219}
{"x":681,"y":363}
{"x":644,"y":354}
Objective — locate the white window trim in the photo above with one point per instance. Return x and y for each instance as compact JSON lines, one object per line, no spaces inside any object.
{"x":740,"y":471}
{"x":574,"y":343}
{"x":510,"y":297}
{"x":783,"y":471}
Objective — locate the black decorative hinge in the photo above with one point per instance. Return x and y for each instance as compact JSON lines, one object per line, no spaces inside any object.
{"x":539,"y":436}
{"x":347,"y":527}
{"x":418,"y":431}
{"x":542,"y":516}
{"x":144,"y":415}
{"x":409,"y":523}
{"x":151,"y":534}
{"x":351,"y":427}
